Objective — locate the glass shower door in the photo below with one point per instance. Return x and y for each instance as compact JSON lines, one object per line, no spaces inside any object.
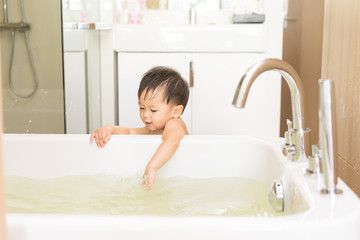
{"x":31,"y":57}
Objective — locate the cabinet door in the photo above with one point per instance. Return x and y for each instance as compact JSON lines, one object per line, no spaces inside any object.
{"x":131,"y":67}
{"x":75,"y":92}
{"x":215,"y":82}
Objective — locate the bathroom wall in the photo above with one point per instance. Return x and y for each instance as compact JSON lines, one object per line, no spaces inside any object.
{"x":43,"y":112}
{"x":291,"y":54}
{"x":310,"y":63}
{"x":341,"y":63}
{"x":325,"y":43}
{"x":303,"y":39}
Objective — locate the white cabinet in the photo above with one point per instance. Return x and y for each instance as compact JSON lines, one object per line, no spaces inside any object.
{"x":216,"y":77}
{"x":75,"y":82}
{"x":75,"y":92}
{"x":209,"y":110}
{"x":82,"y":62}
{"x":220,"y":55}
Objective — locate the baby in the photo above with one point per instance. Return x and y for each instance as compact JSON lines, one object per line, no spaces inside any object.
{"x":163,"y":95}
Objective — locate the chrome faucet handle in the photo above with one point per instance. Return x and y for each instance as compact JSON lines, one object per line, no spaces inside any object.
{"x":314,"y":163}
{"x":289,"y":124}
{"x":288,"y":132}
{"x":288,"y":149}
{"x":287,"y":138}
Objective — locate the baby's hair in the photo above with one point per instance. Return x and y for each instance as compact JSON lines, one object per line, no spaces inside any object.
{"x":176,"y":89}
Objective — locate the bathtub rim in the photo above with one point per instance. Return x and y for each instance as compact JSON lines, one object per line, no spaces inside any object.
{"x":306,"y":184}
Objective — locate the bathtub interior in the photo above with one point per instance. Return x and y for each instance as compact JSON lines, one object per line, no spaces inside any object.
{"x":50,"y":156}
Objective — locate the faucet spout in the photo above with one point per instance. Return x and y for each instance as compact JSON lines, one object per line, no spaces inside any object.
{"x":296,"y":90}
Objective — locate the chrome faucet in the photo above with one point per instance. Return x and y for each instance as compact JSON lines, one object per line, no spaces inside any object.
{"x":327,"y":139}
{"x":295,"y":135}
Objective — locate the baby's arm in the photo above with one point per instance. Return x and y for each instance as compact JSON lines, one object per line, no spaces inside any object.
{"x":103,"y":135}
{"x":174,"y":131}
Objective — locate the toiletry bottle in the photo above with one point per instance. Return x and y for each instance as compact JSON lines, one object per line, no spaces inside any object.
{"x":138,"y":13}
{"x":83,"y":14}
{"x":135,"y":14}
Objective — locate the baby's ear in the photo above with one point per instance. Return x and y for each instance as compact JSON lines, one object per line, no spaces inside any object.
{"x":178,"y":111}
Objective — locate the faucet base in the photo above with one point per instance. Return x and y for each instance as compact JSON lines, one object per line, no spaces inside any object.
{"x":327,"y":191}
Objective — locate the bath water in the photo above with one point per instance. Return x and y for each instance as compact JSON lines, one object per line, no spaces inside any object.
{"x":115,"y":195}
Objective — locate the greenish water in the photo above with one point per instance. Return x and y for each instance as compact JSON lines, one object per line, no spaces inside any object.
{"x":115,"y":195}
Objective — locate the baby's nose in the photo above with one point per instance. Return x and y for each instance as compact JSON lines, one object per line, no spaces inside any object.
{"x":147,"y":114}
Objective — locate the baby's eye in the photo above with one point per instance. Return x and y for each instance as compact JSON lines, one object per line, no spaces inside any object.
{"x":141,"y":108}
{"x":152,"y":110}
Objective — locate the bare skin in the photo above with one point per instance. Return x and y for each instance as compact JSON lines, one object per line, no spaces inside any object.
{"x":159,"y":118}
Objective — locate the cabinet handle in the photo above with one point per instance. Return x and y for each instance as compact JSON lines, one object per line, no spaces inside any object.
{"x":191,"y":75}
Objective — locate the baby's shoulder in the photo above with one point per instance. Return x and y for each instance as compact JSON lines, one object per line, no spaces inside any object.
{"x":177,"y":123}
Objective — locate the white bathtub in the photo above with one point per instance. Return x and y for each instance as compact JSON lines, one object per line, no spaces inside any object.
{"x":48,"y":156}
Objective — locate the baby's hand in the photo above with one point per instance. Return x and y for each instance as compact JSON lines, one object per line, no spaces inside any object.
{"x":149,"y":178}
{"x":101,"y":136}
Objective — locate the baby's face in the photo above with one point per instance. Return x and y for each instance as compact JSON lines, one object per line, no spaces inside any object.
{"x":154,"y":111}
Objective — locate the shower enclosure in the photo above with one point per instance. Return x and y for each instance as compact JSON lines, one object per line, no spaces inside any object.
{"x":32,"y":71}
{"x":44,"y":73}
